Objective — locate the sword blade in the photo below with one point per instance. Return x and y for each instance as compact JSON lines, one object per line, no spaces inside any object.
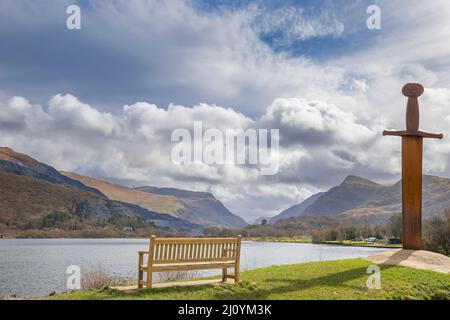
{"x":412,"y":151}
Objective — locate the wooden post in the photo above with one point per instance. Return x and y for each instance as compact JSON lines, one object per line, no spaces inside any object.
{"x":224,"y":270}
{"x":412,"y":154}
{"x":237,"y":269}
{"x":140,"y":271}
{"x":150,"y":262}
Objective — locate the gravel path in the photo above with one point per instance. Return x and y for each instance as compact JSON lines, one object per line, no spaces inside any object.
{"x":419,"y":259}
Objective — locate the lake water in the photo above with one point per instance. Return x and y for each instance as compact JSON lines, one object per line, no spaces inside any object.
{"x":37,"y":267}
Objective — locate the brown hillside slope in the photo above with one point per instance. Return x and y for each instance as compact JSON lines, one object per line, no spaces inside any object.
{"x":152,"y":202}
{"x":31,"y":207}
{"x":10,"y":155}
{"x":24,"y":199}
{"x":387,"y":201}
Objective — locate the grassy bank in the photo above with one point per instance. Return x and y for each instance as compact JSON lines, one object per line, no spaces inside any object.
{"x":341,"y":279}
{"x":279,"y":239}
{"x":362,"y":244}
{"x":337,"y":243}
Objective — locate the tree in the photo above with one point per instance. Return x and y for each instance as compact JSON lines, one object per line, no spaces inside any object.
{"x":395,"y":225}
{"x":436,"y":235}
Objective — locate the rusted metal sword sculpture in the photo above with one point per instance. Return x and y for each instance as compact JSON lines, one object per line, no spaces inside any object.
{"x":412,"y":147}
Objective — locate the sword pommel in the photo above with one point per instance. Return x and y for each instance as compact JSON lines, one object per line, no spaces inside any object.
{"x":412,"y":90}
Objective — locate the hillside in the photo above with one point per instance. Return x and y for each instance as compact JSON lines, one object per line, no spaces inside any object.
{"x":196,"y":207}
{"x":35,"y":197}
{"x":388,"y":199}
{"x":352,"y":193}
{"x":153,"y":202}
{"x":23,"y":165}
{"x":30,"y":206}
{"x":296,"y":210}
{"x":200,"y":207}
{"x":363,"y":201}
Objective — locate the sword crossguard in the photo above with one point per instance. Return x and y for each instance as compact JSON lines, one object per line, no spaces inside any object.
{"x":413,"y":91}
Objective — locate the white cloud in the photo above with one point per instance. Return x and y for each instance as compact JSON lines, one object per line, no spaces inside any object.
{"x":134,"y":146}
{"x":69,"y":112}
{"x":315,"y":122}
{"x":359,"y":84}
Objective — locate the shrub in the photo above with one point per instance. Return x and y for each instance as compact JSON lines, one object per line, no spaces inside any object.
{"x":437,"y":234}
{"x":97,"y":278}
{"x":177,"y":275}
{"x":55,"y":219}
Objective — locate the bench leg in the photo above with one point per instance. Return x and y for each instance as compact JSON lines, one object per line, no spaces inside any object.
{"x":224,"y":274}
{"x":237,"y":276}
{"x":140,"y":271}
{"x":149,"y":278}
{"x":140,"y":279}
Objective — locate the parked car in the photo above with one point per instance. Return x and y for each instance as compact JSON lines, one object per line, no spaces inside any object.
{"x":394,"y":240}
{"x":371,"y":240}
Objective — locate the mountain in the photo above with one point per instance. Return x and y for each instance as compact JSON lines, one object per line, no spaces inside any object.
{"x":296,"y":210}
{"x":35,"y":196}
{"x":388,"y":200}
{"x":363,"y":201}
{"x":352,"y":193}
{"x":200,"y":207}
{"x":154,"y":202}
{"x":23,"y":165}
{"x":195,"y":207}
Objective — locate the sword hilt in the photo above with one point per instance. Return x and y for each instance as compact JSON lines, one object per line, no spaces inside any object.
{"x":413,"y":91}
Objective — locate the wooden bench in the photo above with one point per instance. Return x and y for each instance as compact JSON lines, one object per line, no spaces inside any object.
{"x":174,"y":254}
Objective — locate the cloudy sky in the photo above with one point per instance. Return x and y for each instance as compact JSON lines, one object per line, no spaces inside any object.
{"x":104,"y":100}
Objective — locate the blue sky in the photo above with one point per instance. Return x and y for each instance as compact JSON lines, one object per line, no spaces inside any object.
{"x":354,"y":36}
{"x":51,"y":59}
{"x":103,"y":100}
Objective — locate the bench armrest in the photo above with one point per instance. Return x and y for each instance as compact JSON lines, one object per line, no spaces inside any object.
{"x":141,"y":257}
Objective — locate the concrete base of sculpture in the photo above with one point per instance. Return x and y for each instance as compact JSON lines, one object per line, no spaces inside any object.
{"x":418,"y":259}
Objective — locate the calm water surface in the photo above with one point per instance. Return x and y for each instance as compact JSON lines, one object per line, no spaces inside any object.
{"x":36,"y":267}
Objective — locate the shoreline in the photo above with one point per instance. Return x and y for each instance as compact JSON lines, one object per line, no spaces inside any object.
{"x":330,"y":243}
{"x":345,"y":243}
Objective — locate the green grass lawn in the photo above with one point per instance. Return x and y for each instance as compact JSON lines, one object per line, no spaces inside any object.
{"x":341,"y":279}
{"x":363,"y":244}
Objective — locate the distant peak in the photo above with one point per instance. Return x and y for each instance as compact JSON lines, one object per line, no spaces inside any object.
{"x":7,"y":151}
{"x":11,"y":155}
{"x":352,"y":180}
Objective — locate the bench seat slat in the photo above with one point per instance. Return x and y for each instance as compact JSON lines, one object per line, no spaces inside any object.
{"x":194,"y":266}
{"x":194,"y":240}
{"x":204,"y":260}
{"x":189,"y":266}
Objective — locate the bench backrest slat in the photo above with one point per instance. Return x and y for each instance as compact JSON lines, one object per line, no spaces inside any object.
{"x":179,"y":250}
